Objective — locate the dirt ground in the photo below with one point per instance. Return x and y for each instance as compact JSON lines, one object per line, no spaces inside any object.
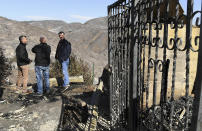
{"x":72,"y":110}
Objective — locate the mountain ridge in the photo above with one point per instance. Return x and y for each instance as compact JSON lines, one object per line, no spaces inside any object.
{"x":89,"y":40}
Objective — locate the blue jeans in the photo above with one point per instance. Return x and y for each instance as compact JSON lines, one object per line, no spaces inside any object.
{"x":65,"y":65}
{"x":42,"y":73}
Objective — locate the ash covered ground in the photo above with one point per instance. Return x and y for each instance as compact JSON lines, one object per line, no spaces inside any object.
{"x":74,"y":110}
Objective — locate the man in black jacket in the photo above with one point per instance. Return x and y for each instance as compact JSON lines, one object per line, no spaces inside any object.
{"x":22,"y":61}
{"x":42,"y":62}
{"x":63,"y":53}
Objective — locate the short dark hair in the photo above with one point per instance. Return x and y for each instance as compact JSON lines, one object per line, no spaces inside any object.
{"x":20,"y":37}
{"x":61,"y":32}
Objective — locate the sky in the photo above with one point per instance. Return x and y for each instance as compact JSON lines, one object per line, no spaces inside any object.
{"x":66,"y":10}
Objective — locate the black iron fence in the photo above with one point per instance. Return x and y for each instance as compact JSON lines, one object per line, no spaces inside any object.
{"x":119,"y":46}
{"x":155,"y":63}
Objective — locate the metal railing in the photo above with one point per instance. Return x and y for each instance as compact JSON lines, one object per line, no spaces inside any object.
{"x":119,"y":39}
{"x":154,"y":59}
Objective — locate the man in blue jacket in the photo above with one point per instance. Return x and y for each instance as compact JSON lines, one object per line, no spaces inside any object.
{"x":63,"y":53}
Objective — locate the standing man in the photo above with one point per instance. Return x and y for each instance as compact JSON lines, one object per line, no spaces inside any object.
{"x":22,"y":61}
{"x":42,"y":62}
{"x":62,"y":55}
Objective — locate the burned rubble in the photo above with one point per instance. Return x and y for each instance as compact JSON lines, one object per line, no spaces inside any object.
{"x":82,"y":108}
{"x":74,"y":110}
{"x":87,"y":109}
{"x":152,"y":117}
{"x":82,"y":112}
{"x":27,"y":112}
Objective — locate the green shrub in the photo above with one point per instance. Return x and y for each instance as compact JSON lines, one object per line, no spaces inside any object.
{"x":5,"y":67}
{"x":77,"y":67}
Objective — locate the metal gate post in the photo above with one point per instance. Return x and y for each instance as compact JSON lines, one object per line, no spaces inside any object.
{"x":133,"y":110}
{"x":109,"y":63}
{"x":197,"y":105}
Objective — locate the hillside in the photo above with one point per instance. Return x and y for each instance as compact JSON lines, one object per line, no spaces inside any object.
{"x":55,"y":25}
{"x":89,"y":40}
{"x":10,"y":31}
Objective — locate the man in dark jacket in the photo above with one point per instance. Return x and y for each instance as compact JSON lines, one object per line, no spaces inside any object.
{"x":22,"y":61}
{"x":63,"y":53}
{"x":42,"y":62}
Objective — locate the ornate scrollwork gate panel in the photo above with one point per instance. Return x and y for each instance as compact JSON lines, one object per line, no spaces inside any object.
{"x":164,"y":42}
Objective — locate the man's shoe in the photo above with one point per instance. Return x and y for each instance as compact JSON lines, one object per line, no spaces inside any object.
{"x":26,"y":92}
{"x":65,"y":88}
{"x":38,"y":94}
{"x":18,"y":91}
{"x":2,"y":101}
{"x":15,"y":88}
{"x":47,"y":92}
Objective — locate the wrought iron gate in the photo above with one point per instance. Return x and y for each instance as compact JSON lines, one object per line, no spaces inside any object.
{"x":153,"y":52}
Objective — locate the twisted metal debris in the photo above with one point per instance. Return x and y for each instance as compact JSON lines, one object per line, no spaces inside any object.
{"x":152,"y":118}
{"x":81,"y":114}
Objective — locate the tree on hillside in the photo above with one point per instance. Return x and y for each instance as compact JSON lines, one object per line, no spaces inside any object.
{"x":5,"y":67}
